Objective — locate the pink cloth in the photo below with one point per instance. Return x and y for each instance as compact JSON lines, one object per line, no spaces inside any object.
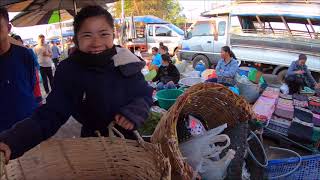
{"x":316,"y":119}
{"x":264,"y":108}
{"x":271,"y":92}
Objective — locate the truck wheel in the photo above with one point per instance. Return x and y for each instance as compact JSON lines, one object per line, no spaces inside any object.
{"x":201,"y":59}
{"x":282,"y":75}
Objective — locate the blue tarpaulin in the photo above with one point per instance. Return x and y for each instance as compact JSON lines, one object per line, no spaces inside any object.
{"x":144,"y":19}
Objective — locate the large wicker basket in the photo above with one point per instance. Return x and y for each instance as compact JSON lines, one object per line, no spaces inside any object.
{"x":91,"y":159}
{"x":217,"y":105}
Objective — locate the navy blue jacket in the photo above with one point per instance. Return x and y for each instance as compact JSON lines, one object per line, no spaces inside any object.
{"x":92,"y":97}
{"x":17,"y":80}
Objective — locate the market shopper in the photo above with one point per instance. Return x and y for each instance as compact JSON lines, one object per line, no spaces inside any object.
{"x":44,"y":53}
{"x":227,"y":67}
{"x":17,"y":78}
{"x":156,"y":58}
{"x":55,"y":54}
{"x":98,"y":84}
{"x":168,"y":75}
{"x":299,"y":75}
{"x":37,"y":89}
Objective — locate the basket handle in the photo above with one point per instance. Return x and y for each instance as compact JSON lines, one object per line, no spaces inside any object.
{"x":2,"y":164}
{"x":112,"y":130}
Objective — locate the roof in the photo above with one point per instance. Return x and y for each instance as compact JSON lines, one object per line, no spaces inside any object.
{"x":149,"y":19}
{"x":293,"y":10}
{"x":287,"y":10}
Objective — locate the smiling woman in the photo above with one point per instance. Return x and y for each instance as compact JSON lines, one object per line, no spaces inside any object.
{"x":97,"y":84}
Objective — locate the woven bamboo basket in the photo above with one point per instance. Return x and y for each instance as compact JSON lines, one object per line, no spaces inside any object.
{"x":217,"y":105}
{"x":91,"y":159}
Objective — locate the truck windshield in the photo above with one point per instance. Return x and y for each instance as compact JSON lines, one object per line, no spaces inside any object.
{"x":176,"y":29}
{"x":202,"y":29}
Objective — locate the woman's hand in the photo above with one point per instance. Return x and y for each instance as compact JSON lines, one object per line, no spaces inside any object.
{"x":123,"y":122}
{"x":6,"y":150}
{"x":300,"y":72}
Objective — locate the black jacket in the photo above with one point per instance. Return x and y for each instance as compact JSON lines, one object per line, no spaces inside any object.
{"x":167,"y":73}
{"x":92,"y":96}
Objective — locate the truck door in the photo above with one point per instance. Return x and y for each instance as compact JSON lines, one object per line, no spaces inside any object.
{"x":201,"y":38}
{"x":222,"y":35}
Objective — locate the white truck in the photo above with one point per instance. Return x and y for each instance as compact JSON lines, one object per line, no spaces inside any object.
{"x":149,"y":32}
{"x":270,"y":35}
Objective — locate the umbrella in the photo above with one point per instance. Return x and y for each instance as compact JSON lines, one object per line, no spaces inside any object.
{"x":48,"y":5}
{"x":38,"y":12}
{"x":40,"y":17}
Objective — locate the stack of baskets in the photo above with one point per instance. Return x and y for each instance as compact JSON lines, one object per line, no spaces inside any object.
{"x":91,"y":158}
{"x":217,"y":105}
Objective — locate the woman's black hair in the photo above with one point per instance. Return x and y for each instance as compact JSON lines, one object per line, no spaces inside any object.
{"x":87,"y":12}
{"x":165,"y":48}
{"x":166,"y":57}
{"x":228,"y":50}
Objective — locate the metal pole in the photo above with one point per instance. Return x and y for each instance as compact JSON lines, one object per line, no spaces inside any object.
{"x":312,"y":28}
{"x":122,"y":23}
{"x":286,"y":24}
{"x":75,"y":7}
{"x":122,"y":9}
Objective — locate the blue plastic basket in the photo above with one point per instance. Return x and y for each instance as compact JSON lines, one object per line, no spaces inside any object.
{"x":308,"y":170}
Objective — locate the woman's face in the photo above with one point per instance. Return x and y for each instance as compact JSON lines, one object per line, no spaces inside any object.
{"x":95,"y":35}
{"x":223,"y":54}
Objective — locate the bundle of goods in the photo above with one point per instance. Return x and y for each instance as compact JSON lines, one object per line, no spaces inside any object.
{"x":286,"y":96}
{"x":314,"y":99}
{"x":206,"y":74}
{"x":92,"y":158}
{"x":316,"y":119}
{"x":264,"y":108}
{"x":300,"y":97}
{"x":314,"y":109}
{"x":248,"y":89}
{"x":244,"y":71}
{"x":280,"y":125}
{"x":300,"y":100}
{"x":216,"y":105}
{"x":302,"y":104}
{"x":301,"y":128}
{"x":307,"y":91}
{"x":255,"y":76}
{"x":150,"y":124}
{"x":272,"y":93}
{"x":284,"y":108}
{"x":314,"y":106}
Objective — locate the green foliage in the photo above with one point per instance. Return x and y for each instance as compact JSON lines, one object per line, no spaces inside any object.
{"x":170,"y":10}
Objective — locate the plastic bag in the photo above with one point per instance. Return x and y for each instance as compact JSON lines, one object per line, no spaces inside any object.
{"x":152,"y":74}
{"x":216,"y":170}
{"x":284,"y":89}
{"x":198,"y":146}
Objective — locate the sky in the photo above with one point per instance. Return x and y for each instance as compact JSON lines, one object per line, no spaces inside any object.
{"x":193,"y":8}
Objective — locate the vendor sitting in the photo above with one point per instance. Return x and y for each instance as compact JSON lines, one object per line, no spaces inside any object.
{"x":299,"y":75}
{"x":168,"y":75}
{"x":226,"y":68}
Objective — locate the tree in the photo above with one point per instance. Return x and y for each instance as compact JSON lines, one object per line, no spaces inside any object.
{"x":169,"y":10}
